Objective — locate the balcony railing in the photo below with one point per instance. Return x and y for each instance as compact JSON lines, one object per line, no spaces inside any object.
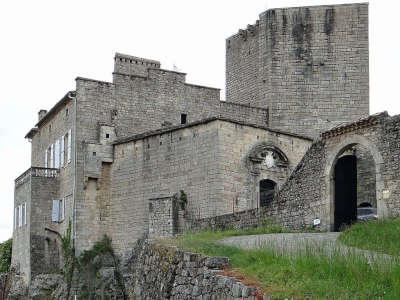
{"x":36,"y":172}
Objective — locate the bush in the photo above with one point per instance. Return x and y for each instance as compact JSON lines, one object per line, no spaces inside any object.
{"x":5,"y":255}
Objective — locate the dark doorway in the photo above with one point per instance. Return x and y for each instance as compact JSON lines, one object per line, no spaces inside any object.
{"x":183,"y":119}
{"x":267,"y":191}
{"x":345,"y":191}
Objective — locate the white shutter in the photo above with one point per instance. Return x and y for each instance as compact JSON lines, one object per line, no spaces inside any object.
{"x":55,"y":213}
{"x":52,"y":156}
{"x":69,"y":146}
{"x":62,"y":209}
{"x":62,"y":151}
{"x":57,"y":154}
{"x":19,"y":215}
{"x":15,"y":218}
{"x":25,"y":213}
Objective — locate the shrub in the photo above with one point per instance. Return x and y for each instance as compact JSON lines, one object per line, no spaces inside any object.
{"x":5,"y":255}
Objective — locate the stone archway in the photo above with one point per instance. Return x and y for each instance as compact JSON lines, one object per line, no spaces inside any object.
{"x":332,"y":158}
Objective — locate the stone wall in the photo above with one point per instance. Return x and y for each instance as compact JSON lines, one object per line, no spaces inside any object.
{"x":152,"y":271}
{"x":207,"y":160}
{"x":308,"y":194}
{"x":389,"y":146}
{"x":159,"y":165}
{"x":308,"y":65}
{"x":162,"y":272}
{"x":57,"y":123}
{"x":251,"y":218}
{"x":163,"y":217}
{"x":366,"y":177}
{"x":21,"y":235}
{"x":44,"y":246}
{"x":135,"y":104}
{"x":241,"y":172}
{"x":242,"y":65}
{"x":243,"y":113}
{"x":35,"y":248}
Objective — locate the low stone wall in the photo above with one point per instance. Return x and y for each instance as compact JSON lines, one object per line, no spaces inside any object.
{"x":164,"y":272}
{"x":240,"y":220}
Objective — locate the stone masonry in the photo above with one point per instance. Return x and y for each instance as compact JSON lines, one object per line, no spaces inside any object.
{"x":307,"y":65}
{"x":307,"y":194}
{"x":150,"y":154}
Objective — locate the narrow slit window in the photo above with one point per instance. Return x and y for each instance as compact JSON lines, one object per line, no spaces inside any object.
{"x":183,"y":119}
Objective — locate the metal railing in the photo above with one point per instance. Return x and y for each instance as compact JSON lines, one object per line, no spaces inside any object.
{"x":36,"y":172}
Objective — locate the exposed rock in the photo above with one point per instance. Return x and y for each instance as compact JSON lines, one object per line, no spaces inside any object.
{"x":47,"y":286}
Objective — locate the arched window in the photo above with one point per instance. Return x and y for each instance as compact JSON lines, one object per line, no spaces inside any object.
{"x":267,"y":191}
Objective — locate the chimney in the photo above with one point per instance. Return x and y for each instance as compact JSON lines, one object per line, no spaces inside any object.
{"x":41,"y":114}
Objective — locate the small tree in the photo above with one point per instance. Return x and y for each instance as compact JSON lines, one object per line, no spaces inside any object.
{"x":5,"y":255}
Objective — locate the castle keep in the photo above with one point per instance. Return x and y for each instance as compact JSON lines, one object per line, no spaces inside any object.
{"x":150,"y":154}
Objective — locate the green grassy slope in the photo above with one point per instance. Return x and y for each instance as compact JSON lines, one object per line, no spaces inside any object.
{"x":307,"y":274}
{"x":380,"y":235}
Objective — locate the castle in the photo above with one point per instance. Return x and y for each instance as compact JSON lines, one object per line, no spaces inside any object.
{"x":151,"y":154}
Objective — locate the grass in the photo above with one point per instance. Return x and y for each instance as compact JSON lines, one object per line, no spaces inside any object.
{"x":382,"y":236}
{"x":307,"y":274}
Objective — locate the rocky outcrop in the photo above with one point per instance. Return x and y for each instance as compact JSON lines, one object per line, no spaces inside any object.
{"x":48,"y":287}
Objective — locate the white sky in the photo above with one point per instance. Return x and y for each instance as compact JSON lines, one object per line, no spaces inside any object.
{"x":46,"y":44}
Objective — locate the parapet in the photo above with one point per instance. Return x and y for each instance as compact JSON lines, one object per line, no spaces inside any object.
{"x":132,"y":65}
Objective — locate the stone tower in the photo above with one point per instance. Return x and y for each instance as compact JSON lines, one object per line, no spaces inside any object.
{"x":307,"y":65}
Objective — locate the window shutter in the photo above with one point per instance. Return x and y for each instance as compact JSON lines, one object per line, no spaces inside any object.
{"x":25,"y":214}
{"x":62,"y":151}
{"x":19,"y":215}
{"x":52,"y":156}
{"x":61,"y":207}
{"x":57,"y":154}
{"x":15,"y":218}
{"x":45,"y":159}
{"x":55,"y":214}
{"x":69,"y":146}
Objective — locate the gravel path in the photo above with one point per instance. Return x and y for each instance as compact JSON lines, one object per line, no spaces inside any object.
{"x":326,"y":243}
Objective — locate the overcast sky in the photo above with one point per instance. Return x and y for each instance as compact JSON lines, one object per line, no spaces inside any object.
{"x":45,"y":45}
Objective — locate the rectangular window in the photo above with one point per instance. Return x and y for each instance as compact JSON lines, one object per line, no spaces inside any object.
{"x":69,"y":138}
{"x":57,"y":154}
{"x":58,"y":211}
{"x":55,"y":213}
{"x":45,"y":158}
{"x":62,"y":151}
{"x":183,"y":119}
